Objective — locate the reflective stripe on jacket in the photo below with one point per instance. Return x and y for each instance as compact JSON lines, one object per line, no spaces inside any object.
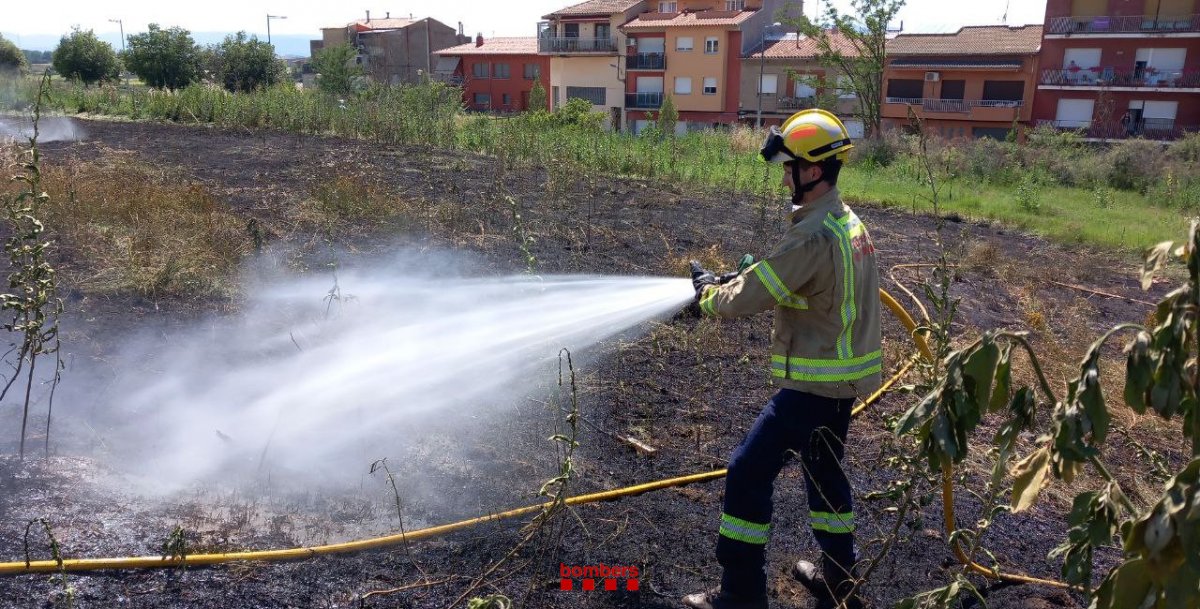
{"x":823,"y":282}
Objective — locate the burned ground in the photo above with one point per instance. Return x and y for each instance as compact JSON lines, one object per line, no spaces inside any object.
{"x":688,"y":387}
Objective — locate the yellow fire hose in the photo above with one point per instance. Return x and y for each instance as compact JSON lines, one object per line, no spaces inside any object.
{"x":195,"y":560}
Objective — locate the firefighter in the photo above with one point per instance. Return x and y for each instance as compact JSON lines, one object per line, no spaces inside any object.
{"x":823,"y":284}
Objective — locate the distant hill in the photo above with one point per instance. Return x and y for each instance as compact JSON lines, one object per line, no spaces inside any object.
{"x":285,"y":44}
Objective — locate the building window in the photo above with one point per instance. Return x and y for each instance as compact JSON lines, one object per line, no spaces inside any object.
{"x":533,"y":71}
{"x":954,"y":89}
{"x":483,"y":100}
{"x":571,"y":30}
{"x":596,"y":95}
{"x":995,"y":133}
{"x":904,"y":89}
{"x":481,"y":69}
{"x":502,"y":71}
{"x":683,"y":85}
{"x":684,"y":43}
{"x":712,"y":45}
{"x":554,"y":97}
{"x":603,"y":31}
{"x":1004,"y":90}
{"x":668,"y":6}
{"x":846,"y":88}
{"x":769,"y":84}
{"x":710,"y":85}
{"x":505,"y":100}
{"x":735,"y":5}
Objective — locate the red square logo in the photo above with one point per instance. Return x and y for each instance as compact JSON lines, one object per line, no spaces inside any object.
{"x":631,"y":585}
{"x":610,"y":584}
{"x":589,"y":584}
{"x":565,"y":584}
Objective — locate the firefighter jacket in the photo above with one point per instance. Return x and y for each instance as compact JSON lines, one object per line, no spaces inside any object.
{"x":823,"y":282}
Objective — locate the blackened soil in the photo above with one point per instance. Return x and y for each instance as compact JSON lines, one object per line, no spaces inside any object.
{"x":689,"y":388}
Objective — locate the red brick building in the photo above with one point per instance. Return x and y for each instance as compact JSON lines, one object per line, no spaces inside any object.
{"x":496,"y":75}
{"x":1121,"y":68}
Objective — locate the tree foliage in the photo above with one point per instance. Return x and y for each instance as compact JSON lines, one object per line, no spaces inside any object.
{"x":12,"y":59}
{"x":854,"y":45}
{"x":668,"y":117}
{"x":335,"y":68}
{"x":537,"y":97}
{"x":243,"y":64}
{"x":82,"y":57}
{"x":1161,"y":566}
{"x":164,"y":59}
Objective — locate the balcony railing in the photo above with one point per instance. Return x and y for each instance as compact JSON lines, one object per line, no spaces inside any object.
{"x":577,"y":45}
{"x":1148,"y":128}
{"x":797,"y":103}
{"x":646,"y":61}
{"x":1122,"y":77}
{"x":652,"y":101}
{"x":1134,"y":24}
{"x":961,"y":106}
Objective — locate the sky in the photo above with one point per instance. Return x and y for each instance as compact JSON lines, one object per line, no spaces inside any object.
{"x":32,"y":21}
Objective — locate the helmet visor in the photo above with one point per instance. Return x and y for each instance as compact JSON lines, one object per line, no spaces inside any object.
{"x":774,"y":150}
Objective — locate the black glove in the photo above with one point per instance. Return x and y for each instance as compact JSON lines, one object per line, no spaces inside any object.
{"x":702,"y":278}
{"x":727,"y":277}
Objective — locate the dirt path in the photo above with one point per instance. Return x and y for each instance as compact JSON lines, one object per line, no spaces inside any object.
{"x":690,"y":388}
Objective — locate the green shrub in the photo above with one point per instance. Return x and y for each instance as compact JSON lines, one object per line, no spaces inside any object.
{"x":1186,"y":150}
{"x":878,"y":151}
{"x":1135,"y":165}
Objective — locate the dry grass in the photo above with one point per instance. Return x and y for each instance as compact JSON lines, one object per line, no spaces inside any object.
{"x":130,"y":227}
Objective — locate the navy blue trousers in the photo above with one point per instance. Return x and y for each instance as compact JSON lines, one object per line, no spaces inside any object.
{"x":793,"y":423}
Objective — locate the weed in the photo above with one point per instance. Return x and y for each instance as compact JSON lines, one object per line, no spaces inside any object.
{"x":1029,"y":196}
{"x":1102,"y":197}
{"x":68,"y":591}
{"x":524,"y":240}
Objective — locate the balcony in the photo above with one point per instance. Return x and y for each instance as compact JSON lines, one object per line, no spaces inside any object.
{"x":1121,"y":77}
{"x":646,"y":61}
{"x":643,"y":101}
{"x":797,"y":103}
{"x":1098,"y":26}
{"x":569,"y":45}
{"x":956,"y":105}
{"x":1147,"y":128}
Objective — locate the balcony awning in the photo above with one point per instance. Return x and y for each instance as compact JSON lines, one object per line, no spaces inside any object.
{"x":447,"y":65}
{"x":933,"y":63}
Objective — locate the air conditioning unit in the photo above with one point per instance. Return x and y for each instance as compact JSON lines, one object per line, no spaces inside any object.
{"x":933,"y":76}
{"x":632,"y":42}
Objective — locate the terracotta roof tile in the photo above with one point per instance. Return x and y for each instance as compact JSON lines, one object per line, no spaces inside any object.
{"x":594,"y":7}
{"x":973,"y":40}
{"x":658,"y":21}
{"x":802,"y":47}
{"x":495,"y":46}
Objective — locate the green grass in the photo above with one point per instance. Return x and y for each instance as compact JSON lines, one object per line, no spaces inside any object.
{"x":430,"y":117}
{"x":1067,"y":215}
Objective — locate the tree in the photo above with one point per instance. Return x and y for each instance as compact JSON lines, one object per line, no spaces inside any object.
{"x":855,"y":46}
{"x":537,"y":97}
{"x":12,"y":60}
{"x":335,"y":69}
{"x":164,"y":59}
{"x":244,"y":64}
{"x":668,"y":117}
{"x":82,"y":57}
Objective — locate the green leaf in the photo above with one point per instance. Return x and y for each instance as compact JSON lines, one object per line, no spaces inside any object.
{"x":1092,"y":399}
{"x":1126,"y":587}
{"x":1029,"y":476}
{"x":1139,"y":372}
{"x":1003,"y":380}
{"x":978,"y":371}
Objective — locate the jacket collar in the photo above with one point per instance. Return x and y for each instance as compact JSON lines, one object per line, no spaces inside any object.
{"x":826,"y":203}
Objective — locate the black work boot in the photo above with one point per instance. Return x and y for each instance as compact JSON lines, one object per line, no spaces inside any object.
{"x":818,"y":583}
{"x":714,"y":599}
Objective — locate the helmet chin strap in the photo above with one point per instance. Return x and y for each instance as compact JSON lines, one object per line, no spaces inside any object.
{"x":801,"y":189}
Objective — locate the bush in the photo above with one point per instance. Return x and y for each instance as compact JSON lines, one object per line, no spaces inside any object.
{"x":1186,"y":150}
{"x":1134,"y":165}
{"x":336,"y":72}
{"x":164,"y":59}
{"x":578,"y":112}
{"x":878,"y":151}
{"x":12,"y":60}
{"x":246,"y":64}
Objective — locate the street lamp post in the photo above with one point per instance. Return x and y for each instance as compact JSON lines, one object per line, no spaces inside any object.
{"x":269,"y":18}
{"x":762,"y":64}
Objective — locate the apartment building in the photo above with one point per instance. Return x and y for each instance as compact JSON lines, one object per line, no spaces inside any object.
{"x":497,"y":74}
{"x":584,"y":45}
{"x":1118,"y":69}
{"x":692,"y":50}
{"x":782,"y":76}
{"x":977,"y":82}
{"x":392,"y":51}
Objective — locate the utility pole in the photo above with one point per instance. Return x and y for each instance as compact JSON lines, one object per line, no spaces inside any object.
{"x":269,"y":18}
{"x":762,"y":64}
{"x":121,"y":25}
